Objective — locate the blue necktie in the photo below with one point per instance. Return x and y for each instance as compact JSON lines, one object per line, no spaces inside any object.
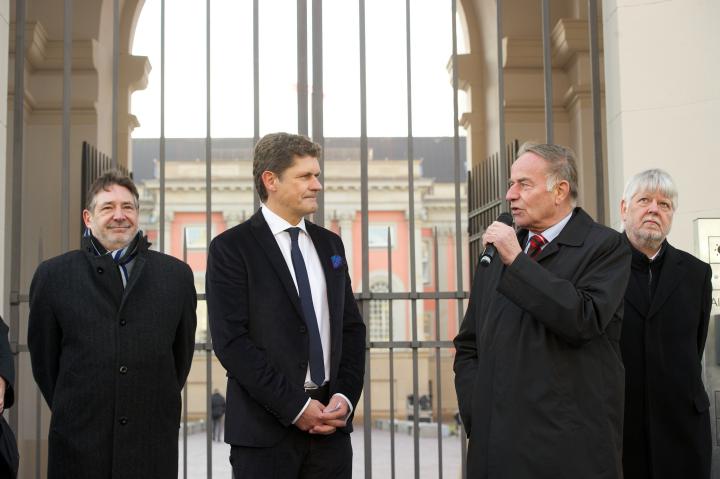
{"x":317,"y":364}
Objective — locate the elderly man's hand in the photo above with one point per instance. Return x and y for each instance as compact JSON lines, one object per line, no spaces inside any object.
{"x":3,"y":385}
{"x":504,"y":239}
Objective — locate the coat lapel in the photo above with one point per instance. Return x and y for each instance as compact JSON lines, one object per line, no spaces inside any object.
{"x":324,"y":252}
{"x":138,"y":265}
{"x":635,"y":296}
{"x":573,"y":234}
{"x":268,"y":244}
{"x":670,"y":276}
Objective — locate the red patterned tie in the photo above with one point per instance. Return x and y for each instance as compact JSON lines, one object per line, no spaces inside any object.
{"x":536,"y":244}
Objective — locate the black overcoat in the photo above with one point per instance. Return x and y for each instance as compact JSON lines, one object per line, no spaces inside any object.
{"x":539,"y":377}
{"x":111,"y":362}
{"x":666,"y":406}
{"x":7,"y":365}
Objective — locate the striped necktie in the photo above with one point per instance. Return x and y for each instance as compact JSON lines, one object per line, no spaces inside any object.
{"x":536,"y":244}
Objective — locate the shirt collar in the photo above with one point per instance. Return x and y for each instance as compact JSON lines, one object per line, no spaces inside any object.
{"x":553,"y":232}
{"x":276,"y":223}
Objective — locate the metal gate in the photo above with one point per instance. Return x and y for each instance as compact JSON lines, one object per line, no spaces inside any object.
{"x":412,"y":269}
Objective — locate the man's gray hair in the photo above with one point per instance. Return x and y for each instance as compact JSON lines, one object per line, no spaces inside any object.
{"x":561,"y":164}
{"x":651,"y":181}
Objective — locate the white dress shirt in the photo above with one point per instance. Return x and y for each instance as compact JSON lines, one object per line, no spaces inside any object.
{"x":550,"y":233}
{"x":316,"y":276}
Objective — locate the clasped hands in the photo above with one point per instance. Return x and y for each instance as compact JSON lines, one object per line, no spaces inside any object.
{"x":319,"y":418}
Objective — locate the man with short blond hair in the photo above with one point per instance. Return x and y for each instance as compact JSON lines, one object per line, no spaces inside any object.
{"x":111,"y":337}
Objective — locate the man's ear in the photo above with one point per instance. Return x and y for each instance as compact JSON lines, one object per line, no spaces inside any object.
{"x":270,"y":180}
{"x":562,"y":191}
{"x":86,"y":218}
{"x":623,"y":209}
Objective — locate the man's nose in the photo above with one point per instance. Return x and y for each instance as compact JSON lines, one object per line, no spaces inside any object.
{"x":118,"y":213}
{"x":653,"y":207}
{"x":316,"y":185}
{"x":511,"y":193}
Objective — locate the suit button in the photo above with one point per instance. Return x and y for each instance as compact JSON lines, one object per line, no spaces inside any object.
{"x":303,"y":329}
{"x":123,"y":421}
{"x":100,"y":270}
{"x":123,"y":369}
{"x":123,"y":322}
{"x":303,"y":364}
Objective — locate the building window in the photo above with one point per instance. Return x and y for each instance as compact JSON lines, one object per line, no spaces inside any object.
{"x":378,"y":236}
{"x":195,"y":236}
{"x":426,"y":269}
{"x":379,"y":314}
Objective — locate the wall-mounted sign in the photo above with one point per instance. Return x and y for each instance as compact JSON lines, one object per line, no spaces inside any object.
{"x":714,"y":249}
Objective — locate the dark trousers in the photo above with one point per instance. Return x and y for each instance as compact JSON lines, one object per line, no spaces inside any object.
{"x":298,"y":455}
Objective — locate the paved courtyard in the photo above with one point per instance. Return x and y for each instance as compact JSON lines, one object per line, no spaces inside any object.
{"x":404,"y":465}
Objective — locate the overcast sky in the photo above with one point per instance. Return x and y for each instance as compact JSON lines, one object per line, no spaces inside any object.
{"x":231,"y":68}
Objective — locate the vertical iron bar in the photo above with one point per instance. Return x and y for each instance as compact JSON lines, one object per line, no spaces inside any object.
{"x":438,"y":365}
{"x":597,"y":117}
{"x":547,"y":70}
{"x":317,"y":100}
{"x":185,"y":387}
{"x":411,"y":227}
{"x":115,"y":80}
{"x":457,"y":165}
{"x":501,"y":102}
{"x":302,"y":67}
{"x":38,"y":396}
{"x":391,"y":352}
{"x":38,"y":431}
{"x":161,"y":233}
{"x":256,"y":85}
{"x":65,"y":172}
{"x":83,"y":180}
{"x":208,"y":234}
{"x":463,"y":451}
{"x":367,"y":406}
{"x":17,"y":175}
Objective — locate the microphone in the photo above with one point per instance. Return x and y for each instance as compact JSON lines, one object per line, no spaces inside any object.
{"x":489,"y":253}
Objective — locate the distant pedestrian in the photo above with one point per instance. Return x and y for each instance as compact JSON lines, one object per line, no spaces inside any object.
{"x":218,"y":412}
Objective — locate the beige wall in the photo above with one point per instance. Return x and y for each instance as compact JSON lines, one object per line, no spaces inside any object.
{"x":663,"y":101}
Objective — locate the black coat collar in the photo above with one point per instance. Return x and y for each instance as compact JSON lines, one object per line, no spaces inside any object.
{"x":670,"y":276}
{"x":573,"y":234}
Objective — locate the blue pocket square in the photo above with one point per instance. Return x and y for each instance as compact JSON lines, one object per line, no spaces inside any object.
{"x":337,"y":261}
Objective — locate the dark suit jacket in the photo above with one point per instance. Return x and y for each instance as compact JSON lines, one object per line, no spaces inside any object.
{"x":7,"y":365}
{"x":539,"y":378}
{"x":666,"y":406}
{"x":259,"y":334}
{"x":111,"y":362}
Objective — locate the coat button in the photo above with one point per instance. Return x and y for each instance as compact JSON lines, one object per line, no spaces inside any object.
{"x":303,"y":365}
{"x":123,"y":369}
{"x":123,"y":322}
{"x":303,"y":329}
{"x":123,"y":421}
{"x":100,"y":270}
